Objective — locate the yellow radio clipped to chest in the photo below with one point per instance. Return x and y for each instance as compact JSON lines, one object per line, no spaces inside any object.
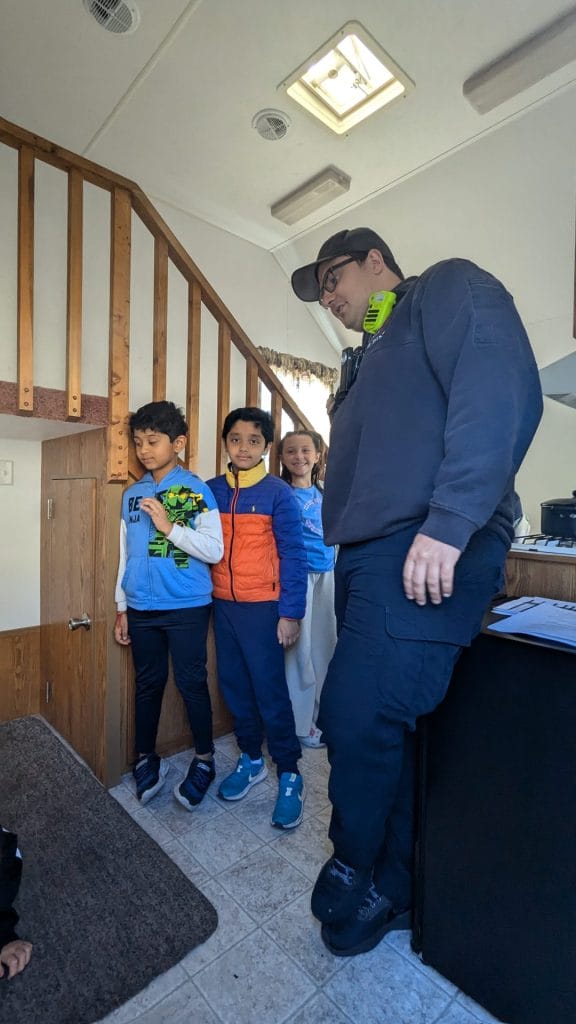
{"x":380,"y":305}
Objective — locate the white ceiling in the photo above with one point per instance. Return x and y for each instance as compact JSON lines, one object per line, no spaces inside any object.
{"x":171,"y":105}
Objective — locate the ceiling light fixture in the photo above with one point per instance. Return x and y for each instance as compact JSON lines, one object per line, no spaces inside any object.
{"x":525,"y":65}
{"x":316,"y":192}
{"x":347,"y":79}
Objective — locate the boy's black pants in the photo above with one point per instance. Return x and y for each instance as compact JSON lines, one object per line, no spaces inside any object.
{"x":181,"y":634}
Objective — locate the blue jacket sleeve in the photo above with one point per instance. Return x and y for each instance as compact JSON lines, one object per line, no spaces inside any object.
{"x":287,"y":529}
{"x":481,"y":356}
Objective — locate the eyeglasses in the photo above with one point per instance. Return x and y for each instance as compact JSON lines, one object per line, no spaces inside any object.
{"x":330,"y":280}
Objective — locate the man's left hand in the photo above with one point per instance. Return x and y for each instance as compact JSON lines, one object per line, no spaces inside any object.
{"x":429,"y":570}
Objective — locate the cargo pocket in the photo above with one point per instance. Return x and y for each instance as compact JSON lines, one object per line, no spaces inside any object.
{"x":423,"y":658}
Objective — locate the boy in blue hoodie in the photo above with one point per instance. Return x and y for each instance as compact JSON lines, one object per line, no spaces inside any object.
{"x":169,"y":533}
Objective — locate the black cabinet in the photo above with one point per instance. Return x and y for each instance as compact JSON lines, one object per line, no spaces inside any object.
{"x":496,"y":851}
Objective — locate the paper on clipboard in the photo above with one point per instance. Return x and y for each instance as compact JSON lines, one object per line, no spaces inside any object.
{"x":541,"y":617}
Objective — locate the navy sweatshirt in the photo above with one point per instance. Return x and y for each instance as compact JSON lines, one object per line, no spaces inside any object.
{"x":443,"y":409}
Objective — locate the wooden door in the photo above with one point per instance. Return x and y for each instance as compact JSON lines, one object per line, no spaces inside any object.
{"x":86,"y":676}
{"x":68,"y":661}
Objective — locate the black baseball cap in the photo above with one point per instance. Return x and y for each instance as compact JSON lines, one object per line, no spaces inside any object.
{"x":346,"y":243}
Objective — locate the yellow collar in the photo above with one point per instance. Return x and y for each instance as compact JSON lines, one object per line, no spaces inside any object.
{"x":246,"y":477}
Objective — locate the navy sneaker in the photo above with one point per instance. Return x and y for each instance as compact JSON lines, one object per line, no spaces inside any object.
{"x":149,"y":774}
{"x":290,"y":803}
{"x":245,"y":775}
{"x":193,"y":789}
{"x":339,"y":891}
{"x":374,"y":918}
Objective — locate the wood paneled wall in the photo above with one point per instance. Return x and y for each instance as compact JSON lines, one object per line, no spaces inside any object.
{"x":19,"y":673}
{"x":530,"y":575}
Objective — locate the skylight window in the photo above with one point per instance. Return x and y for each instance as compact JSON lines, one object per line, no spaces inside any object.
{"x":347,"y":79}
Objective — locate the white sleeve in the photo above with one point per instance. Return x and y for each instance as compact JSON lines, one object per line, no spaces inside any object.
{"x":119,"y":595}
{"x":204,"y":541}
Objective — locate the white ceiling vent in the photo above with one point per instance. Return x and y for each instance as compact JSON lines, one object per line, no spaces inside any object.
{"x":118,"y":16}
{"x":271,"y":124}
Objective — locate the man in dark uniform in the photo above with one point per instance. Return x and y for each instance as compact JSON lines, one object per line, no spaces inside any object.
{"x":419,"y":489}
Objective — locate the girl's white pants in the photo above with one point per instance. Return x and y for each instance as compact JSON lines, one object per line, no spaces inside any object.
{"x":307,"y":662}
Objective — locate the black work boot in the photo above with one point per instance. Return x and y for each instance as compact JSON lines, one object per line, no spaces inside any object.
{"x":339,"y":891}
{"x":373,"y":919}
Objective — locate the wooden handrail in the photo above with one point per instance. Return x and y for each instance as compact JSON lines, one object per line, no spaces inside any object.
{"x":126,"y":198}
{"x":18,"y":138}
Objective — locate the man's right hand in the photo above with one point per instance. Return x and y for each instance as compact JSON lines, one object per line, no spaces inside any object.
{"x":429,"y":570}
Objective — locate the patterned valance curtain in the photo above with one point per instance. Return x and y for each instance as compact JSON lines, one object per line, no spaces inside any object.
{"x":301,"y":369}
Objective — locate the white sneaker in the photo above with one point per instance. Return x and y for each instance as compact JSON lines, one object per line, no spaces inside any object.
{"x":313,"y":739}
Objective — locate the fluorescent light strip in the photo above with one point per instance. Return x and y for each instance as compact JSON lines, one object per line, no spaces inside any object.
{"x":525,"y":65}
{"x":321,"y":189}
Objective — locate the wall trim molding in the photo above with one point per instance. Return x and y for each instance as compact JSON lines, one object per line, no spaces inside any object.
{"x":19,"y":672}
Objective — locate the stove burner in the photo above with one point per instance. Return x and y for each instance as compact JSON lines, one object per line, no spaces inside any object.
{"x":544,"y":542}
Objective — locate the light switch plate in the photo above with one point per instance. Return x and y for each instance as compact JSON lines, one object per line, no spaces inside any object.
{"x":6,"y":471}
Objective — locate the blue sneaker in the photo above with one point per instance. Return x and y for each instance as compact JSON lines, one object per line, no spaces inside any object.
{"x":290,"y":803}
{"x":241,"y":780}
{"x":149,"y":775}
{"x":192,"y":790}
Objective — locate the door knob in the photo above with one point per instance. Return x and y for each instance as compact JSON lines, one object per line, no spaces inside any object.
{"x":76,"y":623}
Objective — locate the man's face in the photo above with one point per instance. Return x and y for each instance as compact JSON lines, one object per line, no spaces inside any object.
{"x":352,"y":284}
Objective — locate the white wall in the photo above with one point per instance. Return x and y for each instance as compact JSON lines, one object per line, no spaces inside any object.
{"x":549,"y":469}
{"x":20,"y":531}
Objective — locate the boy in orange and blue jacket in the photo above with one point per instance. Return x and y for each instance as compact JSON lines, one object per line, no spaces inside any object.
{"x":259,"y":597}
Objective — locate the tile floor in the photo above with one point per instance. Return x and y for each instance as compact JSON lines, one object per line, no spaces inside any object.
{"x":266,"y":963}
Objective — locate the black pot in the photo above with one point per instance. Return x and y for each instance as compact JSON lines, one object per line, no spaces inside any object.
{"x":558,"y":517}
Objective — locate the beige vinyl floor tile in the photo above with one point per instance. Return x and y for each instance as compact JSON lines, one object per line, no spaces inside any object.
{"x":266,"y":963}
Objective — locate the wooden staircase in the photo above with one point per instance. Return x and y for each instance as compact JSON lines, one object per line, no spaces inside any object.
{"x":126,"y":199}
{"x":105,"y":456}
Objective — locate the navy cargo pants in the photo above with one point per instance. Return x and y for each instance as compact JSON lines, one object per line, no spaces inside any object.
{"x":393,"y":662}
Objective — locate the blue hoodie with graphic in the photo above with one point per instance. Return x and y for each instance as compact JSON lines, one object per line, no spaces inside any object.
{"x":159,"y":572}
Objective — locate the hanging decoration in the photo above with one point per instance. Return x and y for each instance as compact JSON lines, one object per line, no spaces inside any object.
{"x":301,"y":369}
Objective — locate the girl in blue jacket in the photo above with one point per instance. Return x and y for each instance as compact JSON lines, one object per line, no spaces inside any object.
{"x":307,"y":661}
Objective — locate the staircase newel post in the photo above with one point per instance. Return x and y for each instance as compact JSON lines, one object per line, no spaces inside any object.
{"x":119,"y":337}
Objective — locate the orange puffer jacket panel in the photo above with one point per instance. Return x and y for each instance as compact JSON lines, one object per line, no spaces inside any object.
{"x":264,"y":555}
